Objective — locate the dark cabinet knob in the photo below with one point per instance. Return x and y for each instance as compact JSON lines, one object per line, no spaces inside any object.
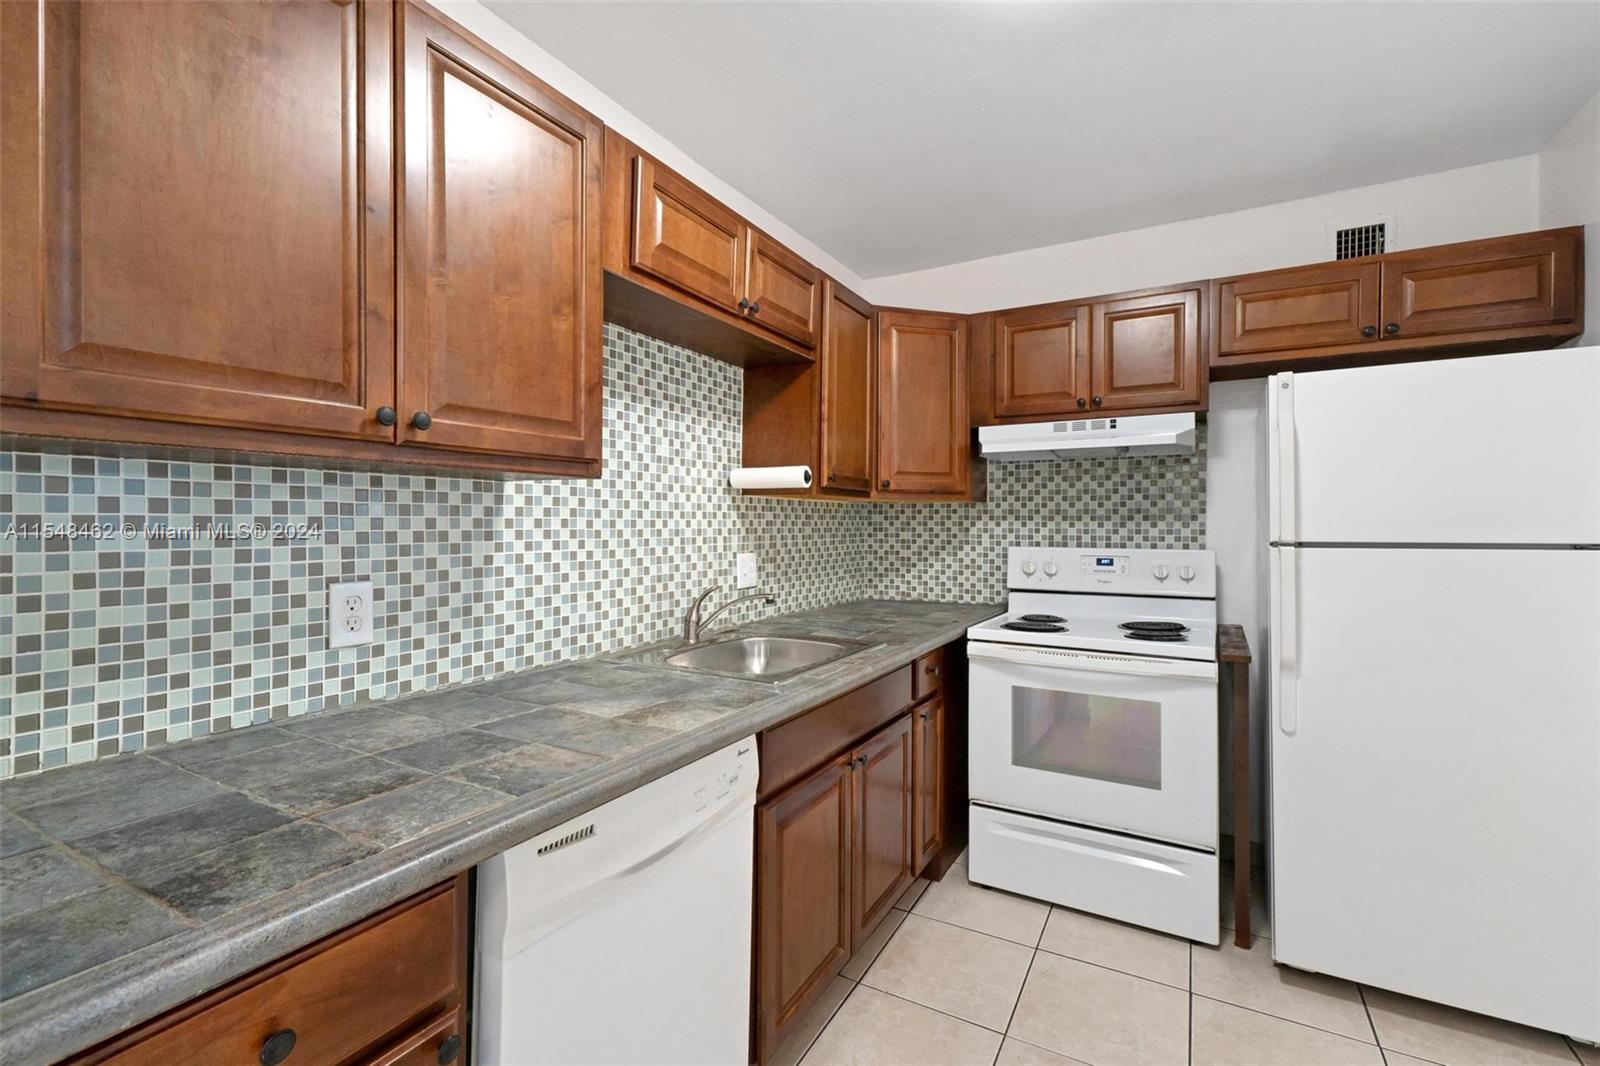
{"x":387,"y":416}
{"x":1392,"y":328}
{"x":421,"y":420}
{"x":924,"y":715}
{"x":1369,"y":331}
{"x":1096,"y":401}
{"x":832,"y":478}
{"x":744,"y":305}
{"x":276,"y":1048}
{"x":1082,"y":402}
{"x":449,"y":1049}
{"x":755,"y":308}
{"x":884,"y":483}
{"x":933,"y":671}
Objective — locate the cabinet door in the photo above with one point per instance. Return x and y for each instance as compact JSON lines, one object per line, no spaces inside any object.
{"x":1481,"y":285}
{"x":501,"y":283}
{"x":882,"y":850}
{"x":686,"y":238}
{"x":184,"y":242}
{"x":1041,"y":361}
{"x":924,"y":445}
{"x":784,"y":291}
{"x":803,"y":916}
{"x":927,"y":749}
{"x":1147,"y":352}
{"x":847,"y":392}
{"x":1330,"y":303}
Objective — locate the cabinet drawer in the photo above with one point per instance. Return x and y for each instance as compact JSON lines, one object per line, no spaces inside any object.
{"x":928,"y":675}
{"x":439,"y":1042}
{"x":338,"y":997}
{"x":789,"y":750}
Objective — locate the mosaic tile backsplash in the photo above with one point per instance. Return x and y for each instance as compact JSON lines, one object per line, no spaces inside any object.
{"x":115,"y":644}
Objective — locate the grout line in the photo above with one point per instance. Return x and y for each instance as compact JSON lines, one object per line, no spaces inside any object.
{"x":1189,"y":972}
{"x":1281,"y":1018}
{"x":936,"y":1010}
{"x":1126,"y":973}
{"x":1372,"y":1025}
{"x":1018,"y":1001}
{"x":980,"y":932}
{"x":1572,"y":1046}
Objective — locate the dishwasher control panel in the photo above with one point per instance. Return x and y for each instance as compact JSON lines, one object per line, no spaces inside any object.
{"x":730,"y":771}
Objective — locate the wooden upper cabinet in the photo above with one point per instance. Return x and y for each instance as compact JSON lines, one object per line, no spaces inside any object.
{"x":500,"y":275}
{"x":686,"y":238}
{"x":883,"y":825}
{"x":1147,"y":352}
{"x":1330,"y":303}
{"x":1501,"y":283}
{"x":782,"y":291}
{"x":1041,"y":360}
{"x":924,"y":446}
{"x":848,"y":397}
{"x":181,"y":242}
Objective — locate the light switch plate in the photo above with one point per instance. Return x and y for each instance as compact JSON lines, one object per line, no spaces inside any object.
{"x":349,"y":614}
{"x":746,"y":570}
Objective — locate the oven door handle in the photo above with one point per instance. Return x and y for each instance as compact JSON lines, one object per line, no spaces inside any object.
{"x":1061,"y":659}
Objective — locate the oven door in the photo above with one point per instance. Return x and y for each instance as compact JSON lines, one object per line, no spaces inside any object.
{"x":1117,"y":741}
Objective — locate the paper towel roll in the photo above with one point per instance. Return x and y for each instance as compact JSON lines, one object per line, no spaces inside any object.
{"x":771,"y":477}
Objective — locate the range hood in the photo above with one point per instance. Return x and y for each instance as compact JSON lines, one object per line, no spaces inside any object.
{"x":1090,"y":438}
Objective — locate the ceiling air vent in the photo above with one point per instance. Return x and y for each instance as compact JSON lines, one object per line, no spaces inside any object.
{"x":1354,"y":242}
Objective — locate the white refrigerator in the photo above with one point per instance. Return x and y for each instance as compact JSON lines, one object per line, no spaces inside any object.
{"x":1434,"y":671}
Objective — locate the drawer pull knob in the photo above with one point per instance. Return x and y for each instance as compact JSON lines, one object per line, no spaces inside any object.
{"x":387,"y":416}
{"x":1392,"y":328}
{"x":422,"y":420}
{"x":276,"y":1048}
{"x":1369,"y":331}
{"x":449,"y":1049}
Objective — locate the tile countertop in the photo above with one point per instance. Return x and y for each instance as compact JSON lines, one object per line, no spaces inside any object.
{"x":130,"y":885}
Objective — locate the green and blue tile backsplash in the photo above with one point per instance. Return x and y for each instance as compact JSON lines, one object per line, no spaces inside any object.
{"x":115,"y":642}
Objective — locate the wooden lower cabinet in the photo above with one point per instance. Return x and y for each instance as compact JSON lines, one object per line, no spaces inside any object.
{"x":882,"y":850}
{"x":390,"y":989}
{"x":928,"y":786}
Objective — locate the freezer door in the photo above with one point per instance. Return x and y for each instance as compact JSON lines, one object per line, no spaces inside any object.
{"x":1435,"y":789}
{"x":1501,"y":449}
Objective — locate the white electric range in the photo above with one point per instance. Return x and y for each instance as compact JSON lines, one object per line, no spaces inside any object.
{"x":1092,"y":748}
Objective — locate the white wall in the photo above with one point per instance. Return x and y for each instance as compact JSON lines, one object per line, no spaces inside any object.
{"x":1569,"y":195}
{"x":499,"y":33}
{"x":1480,"y":201}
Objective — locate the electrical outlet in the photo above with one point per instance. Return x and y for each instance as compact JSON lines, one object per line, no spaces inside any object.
{"x":746,"y":571}
{"x":349,"y":614}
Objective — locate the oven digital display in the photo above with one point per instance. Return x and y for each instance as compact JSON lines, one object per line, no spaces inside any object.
{"x":1105,"y":562}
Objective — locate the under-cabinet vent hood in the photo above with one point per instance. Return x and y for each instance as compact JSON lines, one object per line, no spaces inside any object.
{"x":1091,"y":438}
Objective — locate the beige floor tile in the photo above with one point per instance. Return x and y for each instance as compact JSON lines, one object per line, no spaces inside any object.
{"x":1016,"y":1053}
{"x":1225,"y":1035}
{"x":1394,"y":1058}
{"x":1459,"y":1038}
{"x":1251,"y":979}
{"x":987,"y":910}
{"x":876,"y":1029}
{"x":1097,"y":1015}
{"x":1587,"y":1054}
{"x":815,"y":1019}
{"x":913,"y":892}
{"x":857,"y":966}
{"x":971,"y":975}
{"x":961,"y":860}
{"x":1128,"y":948}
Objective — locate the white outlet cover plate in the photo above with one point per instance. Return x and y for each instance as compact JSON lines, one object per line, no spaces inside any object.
{"x":349,"y":614}
{"x":746,"y":570}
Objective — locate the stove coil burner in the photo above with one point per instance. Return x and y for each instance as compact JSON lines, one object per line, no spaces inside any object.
{"x":1169,"y":632}
{"x":1043,"y":618}
{"x":1024,"y":626}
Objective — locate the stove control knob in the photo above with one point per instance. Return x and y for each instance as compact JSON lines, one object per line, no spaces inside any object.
{"x":1186,"y":572}
{"x":1160,"y":571}
{"x":1049,"y":569}
{"x":1028,"y":567}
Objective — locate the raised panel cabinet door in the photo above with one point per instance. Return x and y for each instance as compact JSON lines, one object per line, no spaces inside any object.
{"x":1041,"y":361}
{"x":686,"y":238}
{"x":500,"y":248}
{"x":927,"y":748}
{"x":185,"y":242}
{"x":1147,"y":352}
{"x":882,"y":851}
{"x":847,"y":392}
{"x":783,"y":290}
{"x":1330,"y":303}
{"x":1481,"y":285}
{"x":924,"y":445}
{"x":803,"y":915}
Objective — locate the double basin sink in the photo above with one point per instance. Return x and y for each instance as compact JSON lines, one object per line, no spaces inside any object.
{"x":762,"y":658}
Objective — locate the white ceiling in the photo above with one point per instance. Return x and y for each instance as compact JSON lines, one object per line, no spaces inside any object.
{"x":907,"y":135}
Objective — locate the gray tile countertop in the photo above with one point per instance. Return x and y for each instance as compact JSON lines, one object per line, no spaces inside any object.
{"x":130,"y":885}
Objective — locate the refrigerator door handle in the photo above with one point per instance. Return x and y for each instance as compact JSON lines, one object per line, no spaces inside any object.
{"x":1288,"y":530}
{"x":1288,"y":650}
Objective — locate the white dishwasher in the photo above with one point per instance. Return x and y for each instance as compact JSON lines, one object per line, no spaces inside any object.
{"x":623,"y":936}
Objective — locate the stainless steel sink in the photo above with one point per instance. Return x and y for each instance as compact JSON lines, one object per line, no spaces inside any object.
{"x":762,"y":658}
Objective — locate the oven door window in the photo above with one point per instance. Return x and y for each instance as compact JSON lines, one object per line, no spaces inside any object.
{"x":1106,"y":738}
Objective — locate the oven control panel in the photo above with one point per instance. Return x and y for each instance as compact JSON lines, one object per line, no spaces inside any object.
{"x":1128,"y":571}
